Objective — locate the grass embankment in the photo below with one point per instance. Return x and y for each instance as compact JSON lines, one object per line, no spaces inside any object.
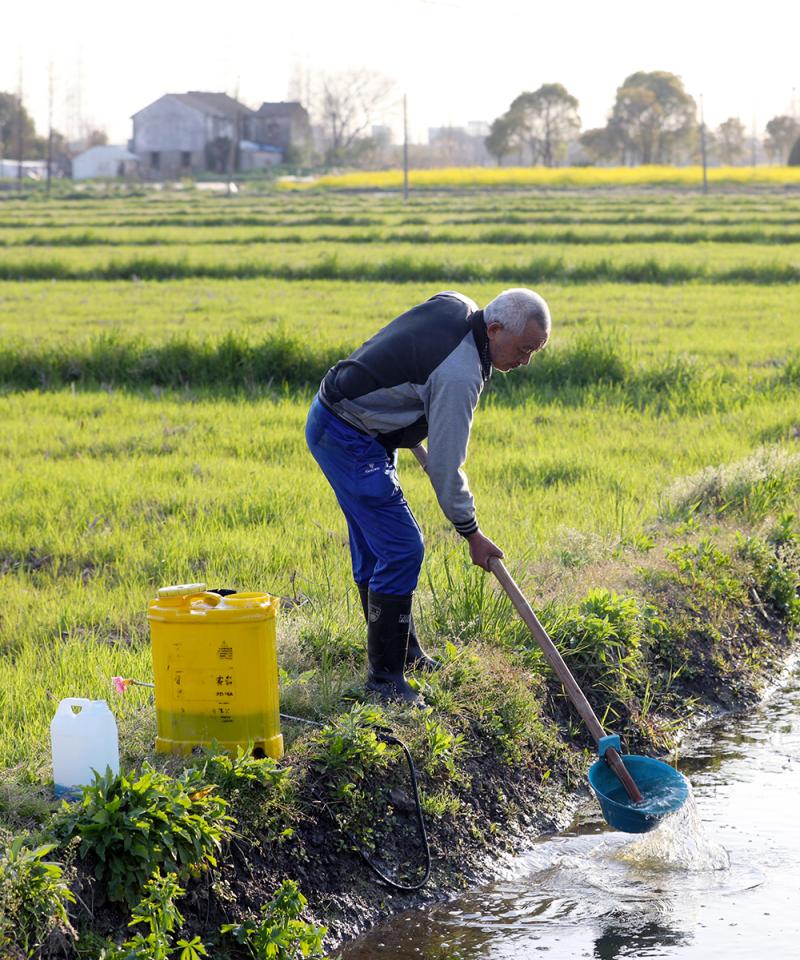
{"x":401,"y":263}
{"x":709,"y":614}
{"x":167,"y":446}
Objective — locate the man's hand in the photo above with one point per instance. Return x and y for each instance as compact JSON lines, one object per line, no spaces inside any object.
{"x":481,"y":549}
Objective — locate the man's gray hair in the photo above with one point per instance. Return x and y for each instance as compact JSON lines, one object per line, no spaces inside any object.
{"x":514,"y":308}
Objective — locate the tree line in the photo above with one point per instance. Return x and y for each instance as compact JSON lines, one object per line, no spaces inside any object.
{"x":20,"y":140}
{"x":653,"y":120}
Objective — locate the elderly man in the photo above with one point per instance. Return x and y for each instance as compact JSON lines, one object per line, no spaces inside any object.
{"x":420,"y":376}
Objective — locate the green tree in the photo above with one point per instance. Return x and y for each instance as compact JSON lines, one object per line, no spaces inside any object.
{"x":794,"y":156}
{"x":781,"y":135}
{"x":730,"y":141}
{"x":601,"y":144}
{"x":653,"y":117}
{"x":538,"y":123}
{"x":11,"y":115}
{"x":500,"y":142}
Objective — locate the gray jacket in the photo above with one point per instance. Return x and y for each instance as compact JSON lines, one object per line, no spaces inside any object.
{"x":420,"y":376}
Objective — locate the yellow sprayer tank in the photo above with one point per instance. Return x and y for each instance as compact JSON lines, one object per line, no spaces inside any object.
{"x":215,"y":668}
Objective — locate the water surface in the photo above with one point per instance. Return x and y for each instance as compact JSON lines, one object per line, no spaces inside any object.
{"x":727,"y":885}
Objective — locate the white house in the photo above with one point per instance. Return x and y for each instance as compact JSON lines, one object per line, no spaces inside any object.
{"x":31,"y":169}
{"x":183,"y":133}
{"x":104,"y":161}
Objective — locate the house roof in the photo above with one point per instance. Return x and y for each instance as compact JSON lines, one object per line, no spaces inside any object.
{"x":281,"y":109}
{"x":108,"y":150}
{"x":214,"y":104}
{"x":218,"y":104}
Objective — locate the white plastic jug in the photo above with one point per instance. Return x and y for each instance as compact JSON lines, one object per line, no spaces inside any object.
{"x":82,"y":742}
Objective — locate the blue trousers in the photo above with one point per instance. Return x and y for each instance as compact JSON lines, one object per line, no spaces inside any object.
{"x":386,"y":546}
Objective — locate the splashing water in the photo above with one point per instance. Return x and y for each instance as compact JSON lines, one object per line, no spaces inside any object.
{"x":679,"y":842}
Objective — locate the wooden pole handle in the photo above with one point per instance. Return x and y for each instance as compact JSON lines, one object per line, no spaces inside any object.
{"x":554,"y":658}
{"x":563,"y":673}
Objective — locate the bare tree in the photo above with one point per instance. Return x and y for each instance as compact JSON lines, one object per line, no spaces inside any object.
{"x":346,"y":105}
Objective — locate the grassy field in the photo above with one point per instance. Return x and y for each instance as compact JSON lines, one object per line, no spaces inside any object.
{"x":158,"y":355}
{"x":117,"y":488}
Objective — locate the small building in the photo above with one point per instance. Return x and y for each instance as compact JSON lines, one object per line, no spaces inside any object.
{"x":31,"y":169}
{"x":104,"y":161}
{"x":285,"y":125}
{"x":184,"y":133}
{"x":258,"y":156}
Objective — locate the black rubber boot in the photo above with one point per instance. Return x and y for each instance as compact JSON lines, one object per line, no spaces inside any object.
{"x":387,"y":640}
{"x":416,"y":657}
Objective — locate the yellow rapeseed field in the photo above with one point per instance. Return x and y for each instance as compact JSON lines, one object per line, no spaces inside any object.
{"x":642,"y":176}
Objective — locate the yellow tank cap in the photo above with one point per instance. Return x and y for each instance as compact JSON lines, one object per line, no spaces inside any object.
{"x":181,"y":590}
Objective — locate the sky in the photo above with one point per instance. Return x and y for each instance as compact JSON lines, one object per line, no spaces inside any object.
{"x":456,"y":60}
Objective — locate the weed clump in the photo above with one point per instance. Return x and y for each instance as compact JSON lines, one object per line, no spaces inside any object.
{"x":602,"y":640}
{"x":765,"y":481}
{"x":261,"y":794}
{"x":281,"y":932}
{"x":130,"y":825}
{"x":158,"y":912}
{"x":33,"y":898}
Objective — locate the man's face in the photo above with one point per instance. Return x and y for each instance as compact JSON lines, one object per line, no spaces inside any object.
{"x":509,"y":350}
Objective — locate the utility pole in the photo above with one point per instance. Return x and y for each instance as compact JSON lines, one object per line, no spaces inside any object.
{"x":753,"y":142}
{"x":405,"y":148}
{"x":49,"y":125}
{"x":703,"y":145}
{"x":231,"y":162}
{"x":20,"y":135}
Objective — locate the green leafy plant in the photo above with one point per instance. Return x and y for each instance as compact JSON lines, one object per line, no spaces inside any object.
{"x":350,"y":742}
{"x":130,"y":825}
{"x":440,"y":748}
{"x":261,"y":793}
{"x":157,"y":911}
{"x":33,"y":897}
{"x":348,"y":756}
{"x":777,"y":582}
{"x":231,"y":771}
{"x":601,"y":640}
{"x":484,"y":685}
{"x":703,"y":566}
{"x":280,"y":934}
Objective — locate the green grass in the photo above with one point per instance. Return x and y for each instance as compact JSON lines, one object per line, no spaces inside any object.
{"x":169,"y":446}
{"x":402,"y":262}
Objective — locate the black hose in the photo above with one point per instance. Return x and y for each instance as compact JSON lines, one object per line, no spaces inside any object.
{"x":387,"y":737}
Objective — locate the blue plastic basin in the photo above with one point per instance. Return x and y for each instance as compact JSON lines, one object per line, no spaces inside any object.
{"x":663,"y":788}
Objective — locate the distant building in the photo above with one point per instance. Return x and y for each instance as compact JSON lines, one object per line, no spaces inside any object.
{"x":104,"y":161}
{"x":31,"y":169}
{"x":382,"y":135}
{"x":284,"y":125}
{"x":478,"y":128}
{"x":185,"y":133}
{"x":456,"y":146}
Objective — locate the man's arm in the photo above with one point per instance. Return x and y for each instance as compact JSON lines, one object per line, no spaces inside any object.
{"x":481,"y":548}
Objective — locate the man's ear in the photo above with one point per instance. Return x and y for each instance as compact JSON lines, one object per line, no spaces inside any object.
{"x":492,"y":329}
